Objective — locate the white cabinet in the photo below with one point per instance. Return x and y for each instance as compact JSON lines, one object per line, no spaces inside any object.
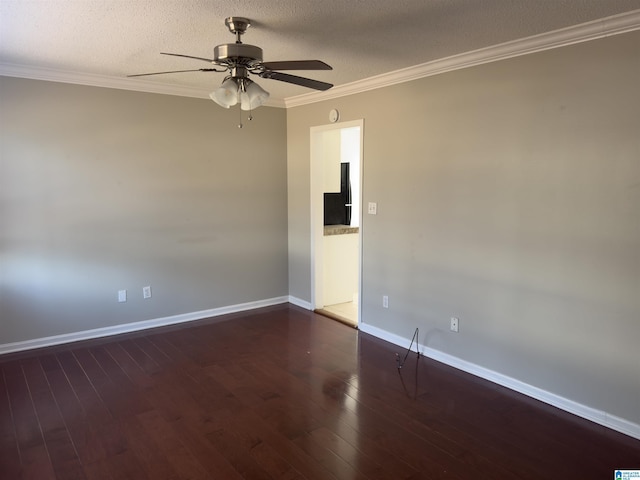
{"x":340,"y":268}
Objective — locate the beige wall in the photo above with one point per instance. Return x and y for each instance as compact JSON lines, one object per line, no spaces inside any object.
{"x":508,"y":196}
{"x":103,"y":189}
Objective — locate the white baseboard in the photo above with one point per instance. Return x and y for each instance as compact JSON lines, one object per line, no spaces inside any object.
{"x":136,"y":326}
{"x":602,"y":418}
{"x":300,"y":303}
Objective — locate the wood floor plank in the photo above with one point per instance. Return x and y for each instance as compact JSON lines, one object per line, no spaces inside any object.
{"x":172,"y":447}
{"x":253,"y":436}
{"x":288,"y":450}
{"x":88,"y":398}
{"x":278,"y":393}
{"x":148,"y":453}
{"x":34,"y":458}
{"x":9,"y":453}
{"x":330,"y":409}
{"x":96,"y":433}
{"x":366,"y":464}
{"x":27,"y":427}
{"x":148,"y":348}
{"x":406,"y":420}
{"x":331,"y":413}
{"x":121,"y":466}
{"x":469,"y":419}
{"x":106,"y":392}
{"x":238,"y":454}
{"x":119,"y":384}
{"x":35,"y":463}
{"x":460,"y":408}
{"x":69,"y":406}
{"x":62,"y":452}
{"x":144,"y":361}
{"x":129,"y":366}
{"x":331,"y":461}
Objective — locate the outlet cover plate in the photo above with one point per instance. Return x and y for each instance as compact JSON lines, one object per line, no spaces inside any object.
{"x":454,"y":324}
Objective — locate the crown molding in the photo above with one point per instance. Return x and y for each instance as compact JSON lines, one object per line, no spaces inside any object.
{"x":77,"y":78}
{"x":584,"y":32}
{"x":62,"y":76}
{"x":617,"y":24}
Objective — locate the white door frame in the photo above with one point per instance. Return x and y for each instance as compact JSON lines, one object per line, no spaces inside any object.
{"x":317,"y":206}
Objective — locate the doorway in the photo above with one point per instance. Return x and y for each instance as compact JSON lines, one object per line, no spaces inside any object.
{"x":336,"y":213}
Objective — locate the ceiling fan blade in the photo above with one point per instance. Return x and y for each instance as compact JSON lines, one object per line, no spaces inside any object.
{"x":189,"y":56}
{"x":304,"y":82}
{"x":297,"y":65}
{"x":176,"y":71}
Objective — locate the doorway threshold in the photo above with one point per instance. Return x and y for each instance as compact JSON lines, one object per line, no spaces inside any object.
{"x":337,"y":317}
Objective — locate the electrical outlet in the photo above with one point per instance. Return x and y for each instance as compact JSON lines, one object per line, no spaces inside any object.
{"x":454,"y":324}
{"x":146,"y":292}
{"x":373,"y":208}
{"x":385,"y":301}
{"x":122,"y":296}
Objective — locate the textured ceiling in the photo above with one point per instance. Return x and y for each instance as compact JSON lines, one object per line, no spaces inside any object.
{"x":359,"y":38}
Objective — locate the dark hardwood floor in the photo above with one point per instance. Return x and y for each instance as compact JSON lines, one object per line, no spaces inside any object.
{"x":278,"y":393}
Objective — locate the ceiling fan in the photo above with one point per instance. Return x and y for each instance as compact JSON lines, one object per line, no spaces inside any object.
{"x":241,"y":60}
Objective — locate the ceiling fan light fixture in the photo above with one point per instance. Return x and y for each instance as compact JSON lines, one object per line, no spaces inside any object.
{"x":252,"y":96}
{"x":226,"y":95}
{"x":240,"y":60}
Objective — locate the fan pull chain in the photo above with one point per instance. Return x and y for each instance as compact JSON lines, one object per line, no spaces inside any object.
{"x":250,"y":117}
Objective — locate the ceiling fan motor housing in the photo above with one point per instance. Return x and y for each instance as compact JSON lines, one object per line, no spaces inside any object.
{"x":238,"y":54}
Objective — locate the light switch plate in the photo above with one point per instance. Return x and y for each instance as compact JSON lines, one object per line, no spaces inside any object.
{"x":373,"y":208}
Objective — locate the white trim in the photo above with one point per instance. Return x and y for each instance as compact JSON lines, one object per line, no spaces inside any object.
{"x":121,"y":83}
{"x":598,"y":416}
{"x":40,"y":73}
{"x":136,"y":326}
{"x":300,"y":303}
{"x":614,"y":25}
{"x":604,"y":27}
